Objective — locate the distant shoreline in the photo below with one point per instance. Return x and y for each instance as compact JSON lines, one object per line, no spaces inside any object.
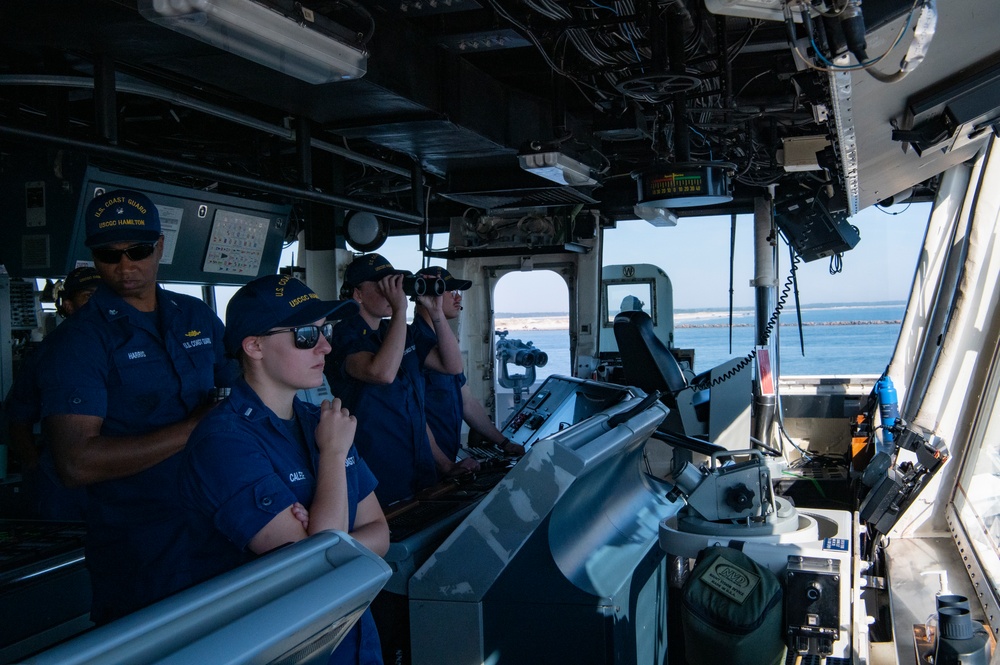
{"x":532,"y":323}
{"x":562,"y":322}
{"x":707,"y":312}
{"x":895,"y":322}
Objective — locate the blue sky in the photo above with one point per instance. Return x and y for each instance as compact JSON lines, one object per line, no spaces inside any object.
{"x":695,"y":255}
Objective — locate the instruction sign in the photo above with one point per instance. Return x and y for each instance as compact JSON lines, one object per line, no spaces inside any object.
{"x":236,"y":243}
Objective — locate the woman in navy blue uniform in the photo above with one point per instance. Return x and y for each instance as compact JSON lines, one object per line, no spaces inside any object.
{"x":263,"y":454}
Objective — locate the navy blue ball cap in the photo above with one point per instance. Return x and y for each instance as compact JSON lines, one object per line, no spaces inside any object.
{"x":121,"y":215}
{"x":277,"y":301}
{"x":80,"y":279}
{"x":369,"y":268}
{"x":451,"y":283}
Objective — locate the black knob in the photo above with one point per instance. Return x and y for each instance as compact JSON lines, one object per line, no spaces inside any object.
{"x":739,"y":498}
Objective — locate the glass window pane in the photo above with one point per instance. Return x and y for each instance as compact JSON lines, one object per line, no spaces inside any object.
{"x":977,"y":499}
{"x":622,"y":297}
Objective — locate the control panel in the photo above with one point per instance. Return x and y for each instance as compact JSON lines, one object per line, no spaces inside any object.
{"x":561,"y":401}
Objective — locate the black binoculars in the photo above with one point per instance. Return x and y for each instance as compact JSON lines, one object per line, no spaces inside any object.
{"x":529,"y":357}
{"x":521,"y":354}
{"x":417,"y":285}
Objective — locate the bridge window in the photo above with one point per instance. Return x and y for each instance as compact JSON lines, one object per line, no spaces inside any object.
{"x":531,"y":307}
{"x":858,"y":309}
{"x":978,"y":497}
{"x":622,"y":297}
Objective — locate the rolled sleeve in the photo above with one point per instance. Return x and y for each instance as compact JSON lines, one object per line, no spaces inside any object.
{"x":72,"y":379}
{"x":228,"y":477}
{"x":244,"y":514}
{"x":424,"y":338}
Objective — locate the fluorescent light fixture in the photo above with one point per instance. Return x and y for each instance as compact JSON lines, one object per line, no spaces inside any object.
{"x":557,"y":167}
{"x":655,"y":215}
{"x":263,"y":35}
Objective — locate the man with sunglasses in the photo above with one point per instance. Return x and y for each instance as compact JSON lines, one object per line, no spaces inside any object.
{"x":449,"y":399}
{"x":121,"y":392}
{"x":375,"y":368}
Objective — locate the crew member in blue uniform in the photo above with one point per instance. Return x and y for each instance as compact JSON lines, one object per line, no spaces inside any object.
{"x":48,"y":497}
{"x":263,"y":452}
{"x":449,"y":400}
{"x":375,"y":368}
{"x":121,"y":392}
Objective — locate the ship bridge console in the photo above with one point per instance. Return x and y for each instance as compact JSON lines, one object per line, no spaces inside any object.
{"x":562,"y":542}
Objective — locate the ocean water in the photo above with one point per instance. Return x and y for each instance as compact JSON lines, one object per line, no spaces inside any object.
{"x":863,"y":346}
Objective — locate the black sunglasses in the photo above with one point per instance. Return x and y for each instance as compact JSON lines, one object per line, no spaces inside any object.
{"x":306,"y":337}
{"x":134,"y":253}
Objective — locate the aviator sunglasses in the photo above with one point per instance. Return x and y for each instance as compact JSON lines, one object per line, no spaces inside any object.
{"x":134,"y":253}
{"x":306,"y":337}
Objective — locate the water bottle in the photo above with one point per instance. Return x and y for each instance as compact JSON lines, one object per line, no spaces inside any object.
{"x":888,"y":407}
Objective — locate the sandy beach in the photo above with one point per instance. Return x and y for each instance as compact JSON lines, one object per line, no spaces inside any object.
{"x":533,"y":323}
{"x":713,"y":319}
{"x":562,"y":322}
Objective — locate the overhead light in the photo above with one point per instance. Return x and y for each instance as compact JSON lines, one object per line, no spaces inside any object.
{"x":557,"y":167}
{"x":306,"y":45}
{"x":684,"y":185}
{"x":768,"y":10}
{"x":656,"y":216}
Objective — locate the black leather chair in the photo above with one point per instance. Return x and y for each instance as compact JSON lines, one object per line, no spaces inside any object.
{"x":648,"y":364}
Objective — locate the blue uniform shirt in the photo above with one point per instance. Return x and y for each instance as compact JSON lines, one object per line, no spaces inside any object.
{"x":392,"y":427}
{"x":444,"y":402}
{"x":138,"y":372}
{"x":242,"y":466}
{"x":24,"y":401}
{"x":50,"y":499}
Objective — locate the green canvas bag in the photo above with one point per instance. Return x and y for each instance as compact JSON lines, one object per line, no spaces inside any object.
{"x":732,"y":611}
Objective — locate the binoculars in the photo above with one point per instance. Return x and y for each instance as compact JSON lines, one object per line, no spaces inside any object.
{"x":417,"y":285}
{"x":521,"y":354}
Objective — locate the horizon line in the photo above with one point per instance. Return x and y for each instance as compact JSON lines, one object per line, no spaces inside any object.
{"x":878,"y":303}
